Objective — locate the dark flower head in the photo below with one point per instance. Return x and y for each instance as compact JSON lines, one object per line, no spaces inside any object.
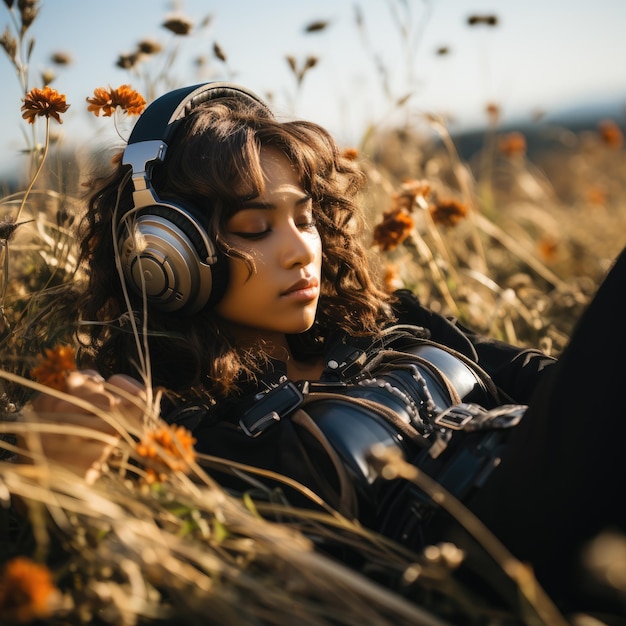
{"x":61,"y":58}
{"x":448,"y":212}
{"x":219,"y":53}
{"x":28,"y":12}
{"x":149,"y":46}
{"x":395,"y":227}
{"x":7,"y":229}
{"x":127,"y":61}
{"x":488,"y":20}
{"x":316,"y":26}
{"x":179,"y":25}
{"x":9,"y":43}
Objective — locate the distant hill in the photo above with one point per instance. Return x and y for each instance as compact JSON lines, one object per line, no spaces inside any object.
{"x":552,"y":131}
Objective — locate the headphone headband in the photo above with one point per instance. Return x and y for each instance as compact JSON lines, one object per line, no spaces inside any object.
{"x":158,"y":120}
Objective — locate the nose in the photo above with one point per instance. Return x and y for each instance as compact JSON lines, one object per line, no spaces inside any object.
{"x":300,"y":247}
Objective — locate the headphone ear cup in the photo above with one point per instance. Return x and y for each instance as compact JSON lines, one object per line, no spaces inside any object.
{"x":167,"y":255}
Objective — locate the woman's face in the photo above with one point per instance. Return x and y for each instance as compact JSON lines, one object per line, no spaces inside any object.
{"x":277,"y":229}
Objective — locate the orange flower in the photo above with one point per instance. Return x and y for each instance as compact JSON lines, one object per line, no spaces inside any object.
{"x":447,"y":212}
{"x":27,"y":592}
{"x":548,"y":248}
{"x":409,"y":191}
{"x":101,"y":102}
{"x":54,"y":368}
{"x":596,"y":196}
{"x":391,"y":279}
{"x":395,"y":227}
{"x":512,"y":144}
{"x":171,"y":447}
{"x":416,"y":187}
{"x":106,"y":101}
{"x":46,"y":102}
{"x":611,"y":134}
{"x":352,"y":154}
{"x":493,"y":112}
{"x":129,"y":100}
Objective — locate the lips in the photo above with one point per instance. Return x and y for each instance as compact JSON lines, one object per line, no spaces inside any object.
{"x":303,"y":286}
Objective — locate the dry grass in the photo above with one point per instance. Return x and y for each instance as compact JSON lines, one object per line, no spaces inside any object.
{"x":512,"y":246}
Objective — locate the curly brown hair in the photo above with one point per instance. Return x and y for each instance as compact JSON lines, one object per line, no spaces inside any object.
{"x":212,"y":164}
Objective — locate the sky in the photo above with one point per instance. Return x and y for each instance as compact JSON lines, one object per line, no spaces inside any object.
{"x":541,"y":56}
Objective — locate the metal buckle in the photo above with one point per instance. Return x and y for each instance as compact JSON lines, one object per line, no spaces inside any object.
{"x":271,"y":408}
{"x":346,"y":361}
{"x":458,"y":416}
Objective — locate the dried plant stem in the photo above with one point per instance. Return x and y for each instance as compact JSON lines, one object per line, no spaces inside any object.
{"x":463,"y":177}
{"x":38,"y":171}
{"x":506,"y":240}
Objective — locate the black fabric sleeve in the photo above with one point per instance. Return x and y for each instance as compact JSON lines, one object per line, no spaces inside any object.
{"x":516,"y":371}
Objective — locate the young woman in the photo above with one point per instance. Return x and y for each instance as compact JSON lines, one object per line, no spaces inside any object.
{"x":232,"y":239}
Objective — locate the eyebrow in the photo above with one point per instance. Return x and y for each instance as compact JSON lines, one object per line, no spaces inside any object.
{"x":257,"y":204}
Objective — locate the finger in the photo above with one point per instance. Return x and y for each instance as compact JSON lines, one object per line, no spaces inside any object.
{"x":128,"y":384}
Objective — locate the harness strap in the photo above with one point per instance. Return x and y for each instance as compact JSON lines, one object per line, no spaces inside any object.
{"x":385,"y":412}
{"x":348,"y":506}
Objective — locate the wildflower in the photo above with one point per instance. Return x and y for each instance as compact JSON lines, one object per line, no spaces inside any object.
{"x":47,"y":76}
{"x":54,"y":368}
{"x":448,"y":212}
{"x":410,"y":191}
{"x":179,"y":25}
{"x":149,"y":46}
{"x":129,"y":100}
{"x":309,"y":63}
{"x":7,"y":229}
{"x":351,"y":154}
{"x":127,"y":61}
{"x":27,"y":592}
{"x":170,"y":447}
{"x":316,"y":26}
{"x":106,"y":101}
{"x":395,"y":227}
{"x":488,"y":20}
{"x":391,"y":278}
{"x":46,"y":102}
{"x":415,"y":188}
{"x":9,"y":43}
{"x":219,"y":52}
{"x":512,"y":144}
{"x":611,"y":134}
{"x":61,"y":58}
{"x":548,"y":249}
{"x":493,"y":113}
{"x":28,"y":12}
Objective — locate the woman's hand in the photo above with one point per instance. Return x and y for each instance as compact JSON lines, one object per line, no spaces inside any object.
{"x":105,"y":407}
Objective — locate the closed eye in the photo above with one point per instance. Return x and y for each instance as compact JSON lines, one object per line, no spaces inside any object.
{"x":255,"y":235}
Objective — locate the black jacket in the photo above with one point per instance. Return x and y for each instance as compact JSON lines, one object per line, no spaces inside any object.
{"x":291,"y":450}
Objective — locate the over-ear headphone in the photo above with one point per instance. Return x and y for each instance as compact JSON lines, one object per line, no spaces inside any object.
{"x":164,"y":250}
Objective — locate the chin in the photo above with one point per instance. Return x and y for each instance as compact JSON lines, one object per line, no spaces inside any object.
{"x":301,"y":328}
